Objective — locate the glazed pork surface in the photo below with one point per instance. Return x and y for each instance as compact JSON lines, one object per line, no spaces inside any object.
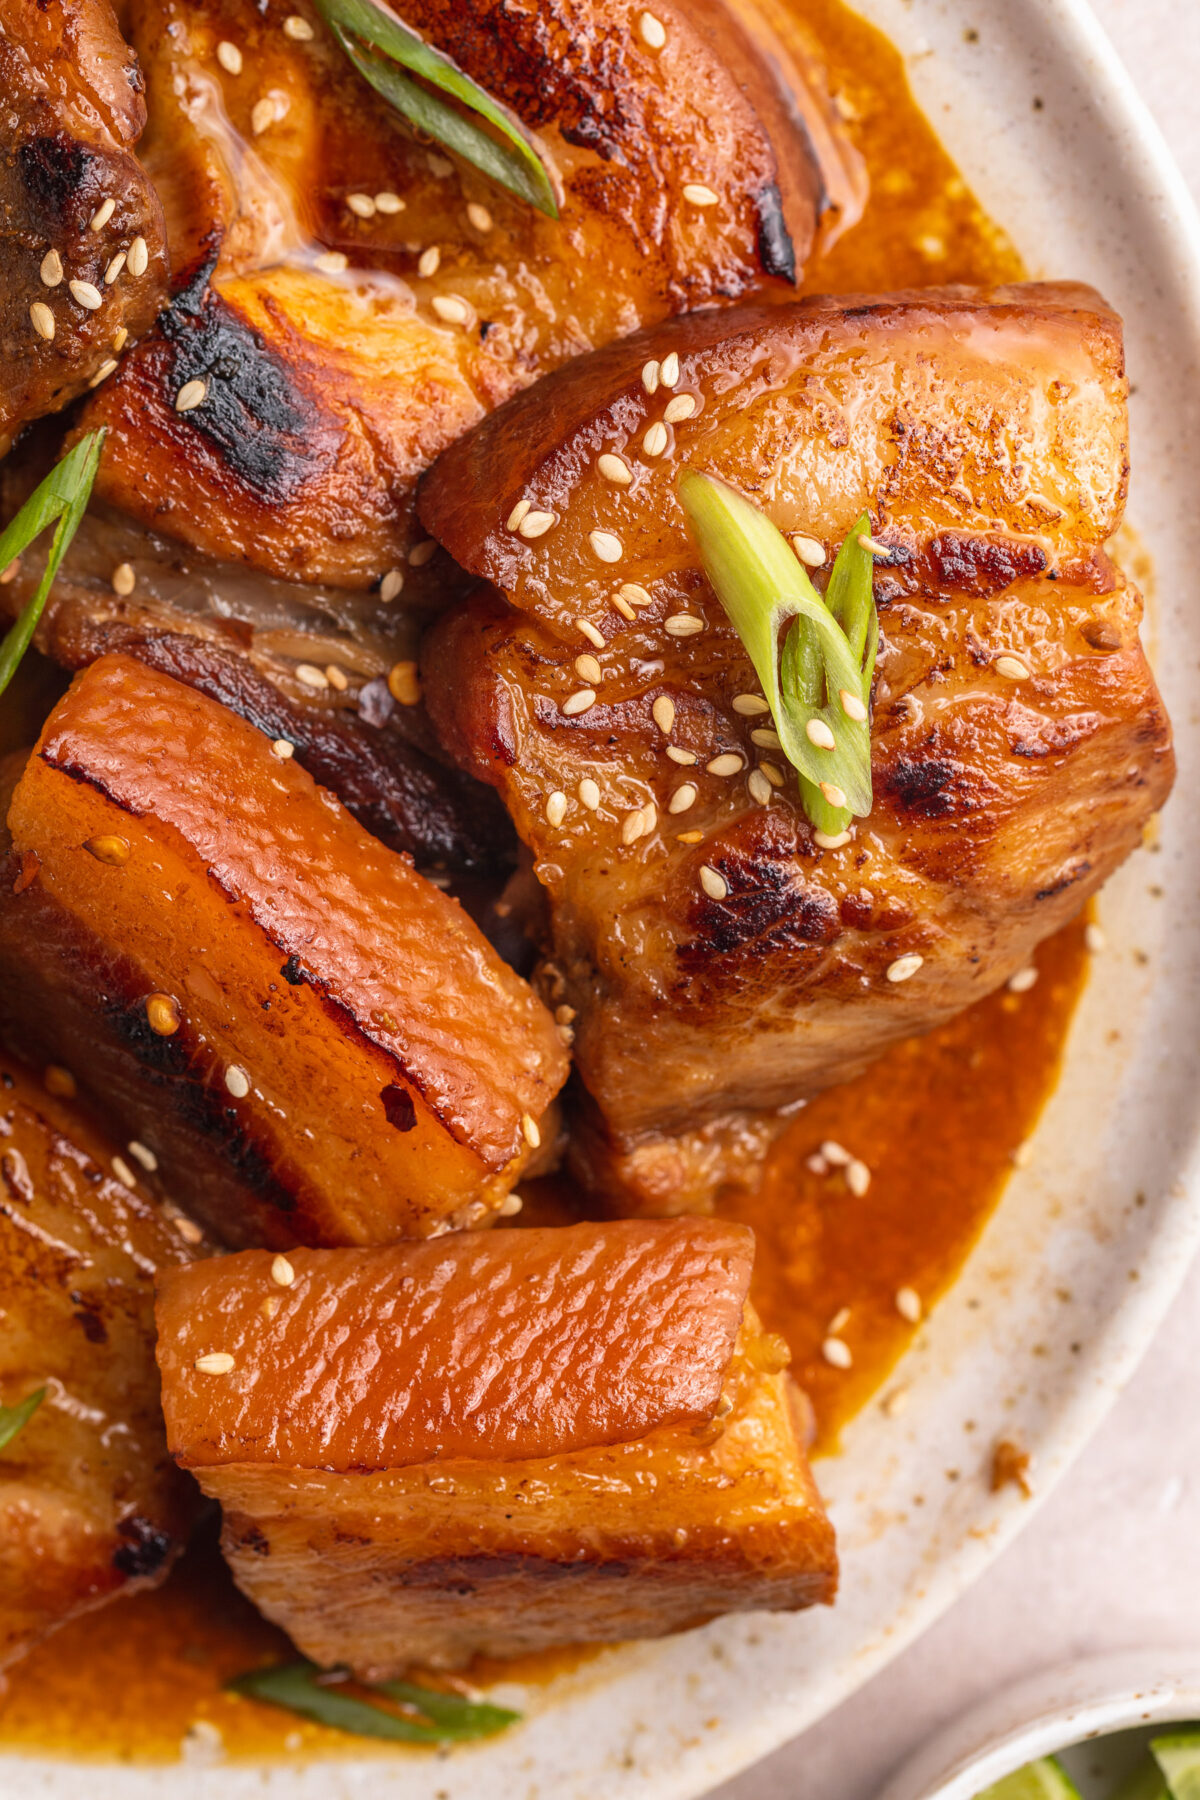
{"x":495,"y":1443}
{"x":91,"y":1505}
{"x":317,"y":1044}
{"x":716,"y":961}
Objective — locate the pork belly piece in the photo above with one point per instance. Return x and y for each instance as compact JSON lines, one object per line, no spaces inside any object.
{"x":74,"y":201}
{"x":687,"y":173}
{"x":495,"y":1443}
{"x":91,"y":1505}
{"x":715,"y":958}
{"x":317,"y":1044}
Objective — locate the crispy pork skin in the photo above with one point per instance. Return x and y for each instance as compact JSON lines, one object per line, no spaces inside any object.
{"x":318,"y":1044}
{"x":495,"y":1443}
{"x":73,"y":202}
{"x":687,"y":172}
{"x":717,"y":959}
{"x":91,"y":1505}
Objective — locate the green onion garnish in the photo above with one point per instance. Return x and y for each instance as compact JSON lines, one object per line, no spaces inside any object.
{"x":63,"y":496}
{"x":15,"y":1418}
{"x":819,"y":686}
{"x":379,"y":46}
{"x":428,"y":1716}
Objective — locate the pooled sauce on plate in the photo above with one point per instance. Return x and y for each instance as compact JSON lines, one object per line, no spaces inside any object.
{"x":938,"y":1122}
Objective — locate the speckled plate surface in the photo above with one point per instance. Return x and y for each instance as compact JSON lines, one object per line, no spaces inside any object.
{"x":1073,"y":1274}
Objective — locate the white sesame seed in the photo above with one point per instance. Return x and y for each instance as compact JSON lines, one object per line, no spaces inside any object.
{"x":229,"y":57}
{"x":683,"y":625}
{"x":363,"y":207}
{"x":749,"y":705}
{"x":296,"y":27}
{"x":638,"y":823}
{"x":837,"y":1353}
{"x":696,"y":194}
{"x":389,"y":203}
{"x":817,"y":732}
{"x":833,"y":794}
{"x":685,"y":758}
{"x":282,"y":1272}
{"x":905,"y":967}
{"x":1094,"y":939}
{"x":683,"y":798}
{"x":623,"y":607}
{"x":556,"y":808}
{"x":535,"y":524}
{"x":42,"y":319}
{"x":809,"y":551}
{"x":831,"y":840}
{"x":311,"y":676}
{"x":634,"y":595}
{"x":188,"y":1230}
{"x":84,"y":294}
{"x":263,"y":115}
{"x":714,"y":884}
{"x":759,"y":786}
{"x":588,"y":669}
{"x":123,"y":579}
{"x":283,"y":749}
{"x":615,"y":469}
{"x":852,"y":706}
{"x":590,"y":633}
{"x":143,"y":1154}
{"x":510,"y":1206}
{"x":530,"y":1131}
{"x":217,"y":1362}
{"x":835,"y":1154}
{"x":668,"y":372}
{"x":607,"y":547}
{"x":766,"y":738}
{"x":816,"y":1164}
{"x":1011,"y":668}
{"x":1023,"y":980}
{"x":579,"y":702}
{"x":858,"y":1177}
{"x":839,"y":1321}
{"x":654,"y":32}
{"x":138,"y":258}
{"x":422,"y":553}
{"x":774,"y":775}
{"x":123,"y":1172}
{"x":51,"y":270}
{"x":429,"y":261}
{"x":479,"y":216}
{"x":392,"y":585}
{"x":874,"y":546}
{"x":519,"y":511}
{"x":450,"y":309}
{"x":336,"y":677}
{"x":663,"y":714}
{"x":650,"y":377}
{"x":103,"y":372}
{"x":331,"y":262}
{"x":729,"y":763}
{"x":114,"y":268}
{"x":680,"y":408}
{"x":237,"y":1081}
{"x":191,"y":395}
{"x":908,"y":1304}
{"x":589,"y":793}
{"x":102,"y":214}
{"x":119,"y":337}
{"x":656,"y":439}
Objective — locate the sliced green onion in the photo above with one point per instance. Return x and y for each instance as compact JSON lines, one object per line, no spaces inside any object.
{"x":828,"y":652}
{"x":15,"y":1418}
{"x":375,"y":40}
{"x":62,"y":496}
{"x":430,"y":1716}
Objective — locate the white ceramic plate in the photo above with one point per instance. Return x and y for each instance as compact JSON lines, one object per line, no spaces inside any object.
{"x":1087,"y":190}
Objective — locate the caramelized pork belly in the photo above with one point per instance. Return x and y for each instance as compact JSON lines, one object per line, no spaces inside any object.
{"x":91,"y":1505}
{"x":495,"y":1443}
{"x":687,"y":175}
{"x":1019,"y":744}
{"x":73,"y":203}
{"x":318,"y":1044}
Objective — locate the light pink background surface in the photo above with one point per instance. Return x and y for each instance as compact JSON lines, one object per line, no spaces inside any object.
{"x":1113,"y":1559}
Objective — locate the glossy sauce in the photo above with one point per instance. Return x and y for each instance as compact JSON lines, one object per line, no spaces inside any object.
{"x":938,"y":1121}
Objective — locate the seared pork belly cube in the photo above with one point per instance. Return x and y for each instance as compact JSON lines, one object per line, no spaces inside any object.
{"x":75,"y":204}
{"x":317,"y":1044}
{"x":497,"y":1442}
{"x":717,"y":958}
{"x":695,"y":163}
{"x":91,"y":1505}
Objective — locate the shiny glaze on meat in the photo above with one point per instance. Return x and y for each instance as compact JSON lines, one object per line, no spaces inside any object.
{"x":986,"y":433}
{"x":352,"y":1061}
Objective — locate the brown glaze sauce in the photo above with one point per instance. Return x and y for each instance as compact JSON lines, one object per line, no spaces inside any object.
{"x":939,"y":1120}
